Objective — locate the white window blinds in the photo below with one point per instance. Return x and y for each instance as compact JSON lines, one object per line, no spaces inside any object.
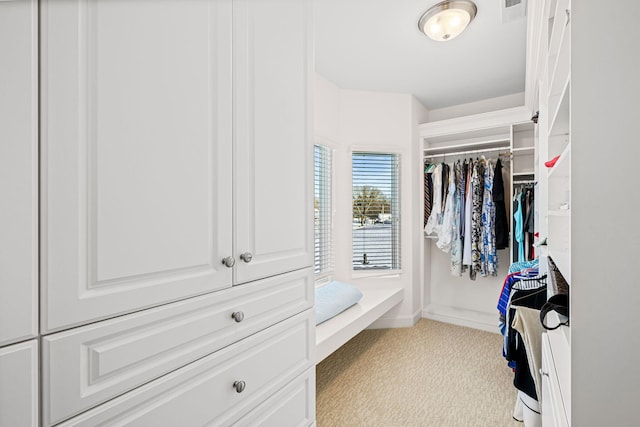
{"x":322,"y":205}
{"x":376,"y":211}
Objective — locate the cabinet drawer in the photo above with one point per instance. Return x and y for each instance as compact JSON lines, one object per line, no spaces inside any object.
{"x":19,"y":385}
{"x":553,"y":404}
{"x":203,"y":393}
{"x":292,"y":406}
{"x":89,"y":365}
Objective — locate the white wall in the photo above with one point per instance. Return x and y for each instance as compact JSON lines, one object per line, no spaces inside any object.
{"x":357,"y":120}
{"x":605,"y":237}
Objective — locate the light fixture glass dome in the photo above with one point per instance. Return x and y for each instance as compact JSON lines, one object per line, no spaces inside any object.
{"x":447,"y":19}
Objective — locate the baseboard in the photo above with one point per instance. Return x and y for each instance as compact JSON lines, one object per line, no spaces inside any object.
{"x":397,"y":321}
{"x":462,"y":317}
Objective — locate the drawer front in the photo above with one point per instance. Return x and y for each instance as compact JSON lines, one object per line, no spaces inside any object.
{"x":203,"y":393}
{"x":553,"y":406}
{"x":19,"y":385}
{"x":89,"y":365}
{"x":292,"y":406}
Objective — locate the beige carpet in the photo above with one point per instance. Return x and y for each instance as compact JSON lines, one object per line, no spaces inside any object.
{"x":433,"y":374}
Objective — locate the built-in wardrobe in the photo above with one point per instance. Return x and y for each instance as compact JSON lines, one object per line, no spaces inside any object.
{"x":156,"y":221}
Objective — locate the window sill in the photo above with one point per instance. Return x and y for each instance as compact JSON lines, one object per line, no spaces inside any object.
{"x":378,"y":274}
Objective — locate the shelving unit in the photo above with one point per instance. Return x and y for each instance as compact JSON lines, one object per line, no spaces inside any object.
{"x":555,"y":213}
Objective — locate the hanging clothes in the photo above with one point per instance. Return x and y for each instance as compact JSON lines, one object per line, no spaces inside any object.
{"x":528,"y":225}
{"x":428,"y":191}
{"x":462,"y":189}
{"x":456,"y":243}
{"x":477,"y":183}
{"x":466,"y":241}
{"x":519,"y":226}
{"x":502,"y":224}
{"x":435,"y":218}
{"x":488,"y":252}
{"x":445,"y":185}
{"x":448,"y":220}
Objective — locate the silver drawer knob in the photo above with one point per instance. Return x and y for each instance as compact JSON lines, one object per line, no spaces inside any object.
{"x":246,"y":257}
{"x":229,"y":261}
{"x":239,"y":386}
{"x":238,"y":316}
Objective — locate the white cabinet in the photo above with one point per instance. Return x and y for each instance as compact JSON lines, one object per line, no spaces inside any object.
{"x":88,"y":365}
{"x":175,"y":134}
{"x":555,"y":374}
{"x":222,"y":388}
{"x":18,"y":170}
{"x":19,"y":385}
{"x":272,"y":60}
{"x":136,"y":155}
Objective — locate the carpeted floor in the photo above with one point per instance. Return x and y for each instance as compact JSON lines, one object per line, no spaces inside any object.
{"x":434,"y":374}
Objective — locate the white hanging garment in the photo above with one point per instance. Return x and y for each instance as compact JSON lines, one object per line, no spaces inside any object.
{"x":448,"y":221}
{"x":434,"y":222}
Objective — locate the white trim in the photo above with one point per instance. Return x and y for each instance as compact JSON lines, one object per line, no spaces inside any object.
{"x":462,"y":317}
{"x":491,"y":119}
{"x":396,"y":321}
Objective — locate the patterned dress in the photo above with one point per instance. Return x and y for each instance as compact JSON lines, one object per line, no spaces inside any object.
{"x":477,"y":193}
{"x":488,"y":251}
{"x":456,"y":243}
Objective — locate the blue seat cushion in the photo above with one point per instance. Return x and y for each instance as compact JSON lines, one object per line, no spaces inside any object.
{"x":334,"y":298}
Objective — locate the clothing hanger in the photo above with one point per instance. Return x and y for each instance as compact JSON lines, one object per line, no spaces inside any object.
{"x":530,"y":283}
{"x":541,"y":289}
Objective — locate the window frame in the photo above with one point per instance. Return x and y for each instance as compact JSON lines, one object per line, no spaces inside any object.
{"x":396,"y":238}
{"x":325,"y":268}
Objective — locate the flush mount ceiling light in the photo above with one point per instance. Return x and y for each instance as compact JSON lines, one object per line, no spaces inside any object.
{"x":447,"y":19}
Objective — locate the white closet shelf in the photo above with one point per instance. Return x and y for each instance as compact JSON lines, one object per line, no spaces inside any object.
{"x":560,"y":110}
{"x":486,"y":144}
{"x":560,"y":212}
{"x":562,"y":168}
{"x":522,"y":151}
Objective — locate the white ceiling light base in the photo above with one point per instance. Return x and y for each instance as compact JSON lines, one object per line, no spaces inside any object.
{"x":447,"y":19}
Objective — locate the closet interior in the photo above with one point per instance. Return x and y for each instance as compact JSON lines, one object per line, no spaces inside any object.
{"x":505,"y":135}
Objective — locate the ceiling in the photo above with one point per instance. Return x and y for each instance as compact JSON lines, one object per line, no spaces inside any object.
{"x":375,"y":45}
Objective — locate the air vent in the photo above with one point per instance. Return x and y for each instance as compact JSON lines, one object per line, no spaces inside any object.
{"x":513,"y":10}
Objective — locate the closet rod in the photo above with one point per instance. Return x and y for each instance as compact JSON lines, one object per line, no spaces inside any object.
{"x":460,"y":153}
{"x":524,"y":182}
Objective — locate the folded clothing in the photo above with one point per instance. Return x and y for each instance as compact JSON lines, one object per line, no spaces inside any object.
{"x":334,"y":298}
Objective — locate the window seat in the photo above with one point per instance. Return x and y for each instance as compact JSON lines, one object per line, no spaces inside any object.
{"x":335,"y":332}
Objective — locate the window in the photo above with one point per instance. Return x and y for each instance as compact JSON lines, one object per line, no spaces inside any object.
{"x":376,"y":211}
{"x":322,"y":209}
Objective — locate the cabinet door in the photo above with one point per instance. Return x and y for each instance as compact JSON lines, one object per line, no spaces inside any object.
{"x":19,"y":385}
{"x":18,"y":170}
{"x":273,"y":150}
{"x":136,"y":155}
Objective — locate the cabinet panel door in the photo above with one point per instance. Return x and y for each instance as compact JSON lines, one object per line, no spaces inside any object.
{"x":273,"y":150}
{"x":136,"y":153}
{"x":19,"y":385}
{"x":18,"y":170}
